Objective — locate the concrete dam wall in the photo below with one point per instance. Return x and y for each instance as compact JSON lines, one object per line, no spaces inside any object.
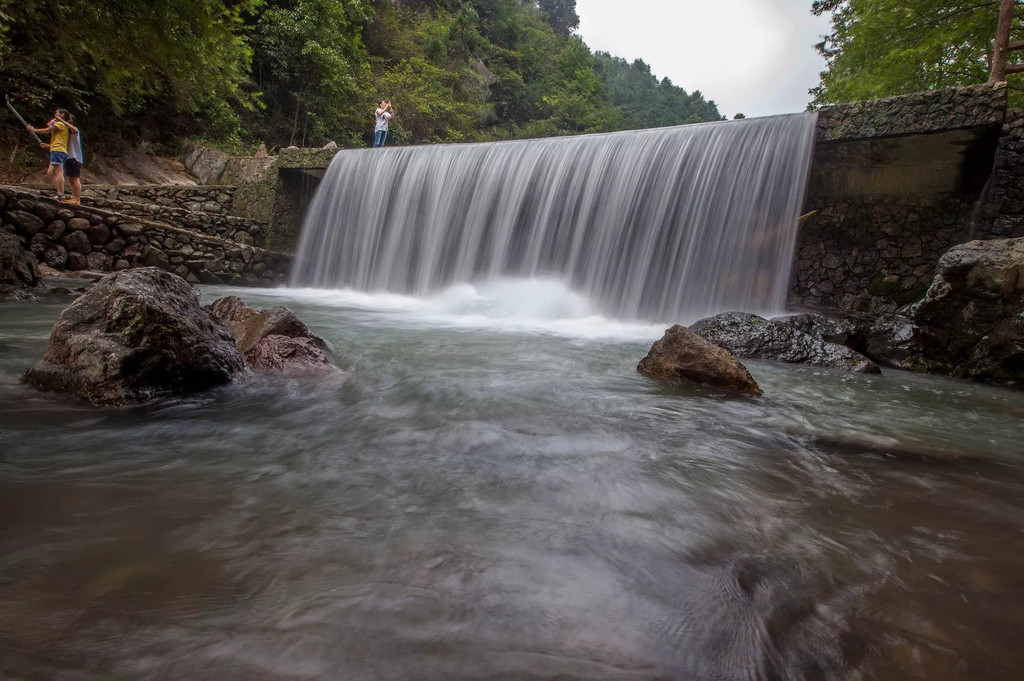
{"x":893,"y":184}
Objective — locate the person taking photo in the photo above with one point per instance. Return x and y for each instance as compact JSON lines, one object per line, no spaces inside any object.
{"x":384,"y":114}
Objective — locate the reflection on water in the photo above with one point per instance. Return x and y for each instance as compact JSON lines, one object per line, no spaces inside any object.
{"x":484,"y":501}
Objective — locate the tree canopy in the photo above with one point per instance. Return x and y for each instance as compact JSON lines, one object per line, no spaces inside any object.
{"x":284,"y":72}
{"x":880,"y":48}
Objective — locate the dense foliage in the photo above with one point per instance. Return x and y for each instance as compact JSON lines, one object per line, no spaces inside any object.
{"x":879,"y":48}
{"x":306,"y":71}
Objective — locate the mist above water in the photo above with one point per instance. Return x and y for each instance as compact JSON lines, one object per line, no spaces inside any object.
{"x":655,"y":225}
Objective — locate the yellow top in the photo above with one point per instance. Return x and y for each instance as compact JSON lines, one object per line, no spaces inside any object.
{"x":59,"y":136}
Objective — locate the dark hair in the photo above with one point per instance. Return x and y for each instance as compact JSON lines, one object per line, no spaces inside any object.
{"x":64,"y":113}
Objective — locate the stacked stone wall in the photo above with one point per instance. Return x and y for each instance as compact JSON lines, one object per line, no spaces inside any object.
{"x":1001,"y":213}
{"x":216,"y":200}
{"x":240,"y":230}
{"x":69,"y":237}
{"x":914,"y":114}
{"x":874,"y":253}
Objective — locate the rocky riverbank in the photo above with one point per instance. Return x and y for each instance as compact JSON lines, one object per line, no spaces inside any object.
{"x":969,"y":324}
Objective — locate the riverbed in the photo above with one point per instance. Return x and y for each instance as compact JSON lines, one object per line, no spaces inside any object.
{"x":493,"y":492}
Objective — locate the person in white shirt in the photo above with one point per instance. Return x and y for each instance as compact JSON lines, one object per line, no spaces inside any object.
{"x":75,"y":161}
{"x":384,"y":114}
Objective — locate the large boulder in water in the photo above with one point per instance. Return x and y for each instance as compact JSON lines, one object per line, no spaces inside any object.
{"x":682,"y":355}
{"x":273,"y":339}
{"x":135,"y":335}
{"x":970,"y":311}
{"x":800,"y":339}
{"x":19,"y":269}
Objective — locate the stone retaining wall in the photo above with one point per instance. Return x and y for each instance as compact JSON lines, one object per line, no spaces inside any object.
{"x":875,"y":252}
{"x":216,"y":200}
{"x":240,"y":230}
{"x":1001,"y":213}
{"x":872,"y":250}
{"x":914,"y":114}
{"x":81,"y":237}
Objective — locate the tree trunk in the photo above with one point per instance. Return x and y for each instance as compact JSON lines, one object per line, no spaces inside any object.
{"x":1002,"y":42}
{"x":295,"y":121}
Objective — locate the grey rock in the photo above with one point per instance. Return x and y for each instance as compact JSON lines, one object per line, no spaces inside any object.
{"x":76,"y":262}
{"x":155,"y":258}
{"x":39,"y":243}
{"x":55,"y":230}
{"x":77,"y":242}
{"x":56,"y":257}
{"x":978,"y":290}
{"x":98,"y":234}
{"x":135,"y":335}
{"x":26,"y":223}
{"x":130,"y":228}
{"x":98,"y":261}
{"x":78,"y":224}
{"x":19,"y":269}
{"x":797,"y":340}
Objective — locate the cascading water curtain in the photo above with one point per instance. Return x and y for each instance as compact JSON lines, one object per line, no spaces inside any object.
{"x":665,"y":224}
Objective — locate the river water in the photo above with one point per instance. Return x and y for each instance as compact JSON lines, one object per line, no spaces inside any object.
{"x":495,"y":493}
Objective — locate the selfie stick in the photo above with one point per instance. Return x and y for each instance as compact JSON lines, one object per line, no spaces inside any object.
{"x":7,"y":98}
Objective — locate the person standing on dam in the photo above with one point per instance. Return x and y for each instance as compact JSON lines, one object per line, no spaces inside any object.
{"x":384,"y":114}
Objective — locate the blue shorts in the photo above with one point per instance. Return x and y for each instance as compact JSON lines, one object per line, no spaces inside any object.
{"x":57,"y":158}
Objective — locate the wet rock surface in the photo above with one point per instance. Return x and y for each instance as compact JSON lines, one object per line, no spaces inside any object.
{"x":969,"y":323}
{"x":799,"y":339}
{"x":19,"y":270}
{"x":136,"y":335}
{"x":273,"y":339}
{"x":682,"y":355}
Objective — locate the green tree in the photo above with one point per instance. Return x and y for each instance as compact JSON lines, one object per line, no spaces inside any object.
{"x":561,"y":14}
{"x":177,"y":55}
{"x":645,"y":102}
{"x":880,"y":48}
{"x":310,"y":65}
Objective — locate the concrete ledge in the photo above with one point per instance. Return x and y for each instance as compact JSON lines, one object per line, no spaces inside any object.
{"x":302,"y":159}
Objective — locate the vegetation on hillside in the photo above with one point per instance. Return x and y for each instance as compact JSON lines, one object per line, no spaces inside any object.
{"x":240,"y":72}
{"x":880,"y":48}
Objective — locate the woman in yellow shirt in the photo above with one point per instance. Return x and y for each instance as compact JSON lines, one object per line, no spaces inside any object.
{"x":58,"y":131}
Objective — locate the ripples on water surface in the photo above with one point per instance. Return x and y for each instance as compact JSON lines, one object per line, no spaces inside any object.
{"x":494,"y":495}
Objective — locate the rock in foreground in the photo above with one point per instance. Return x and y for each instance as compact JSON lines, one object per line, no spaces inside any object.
{"x":135,"y":335}
{"x":682,"y":355}
{"x":800,"y":339}
{"x":274,"y":339}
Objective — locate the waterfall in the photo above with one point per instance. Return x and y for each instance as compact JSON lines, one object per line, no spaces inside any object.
{"x":666,"y":224}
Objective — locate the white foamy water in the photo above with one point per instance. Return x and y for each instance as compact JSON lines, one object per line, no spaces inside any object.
{"x":545,"y":306}
{"x":672,"y":223}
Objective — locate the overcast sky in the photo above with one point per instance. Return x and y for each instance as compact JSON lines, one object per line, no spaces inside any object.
{"x":754,"y":56}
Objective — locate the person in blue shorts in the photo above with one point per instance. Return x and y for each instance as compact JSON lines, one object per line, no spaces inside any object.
{"x":59,"y":134}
